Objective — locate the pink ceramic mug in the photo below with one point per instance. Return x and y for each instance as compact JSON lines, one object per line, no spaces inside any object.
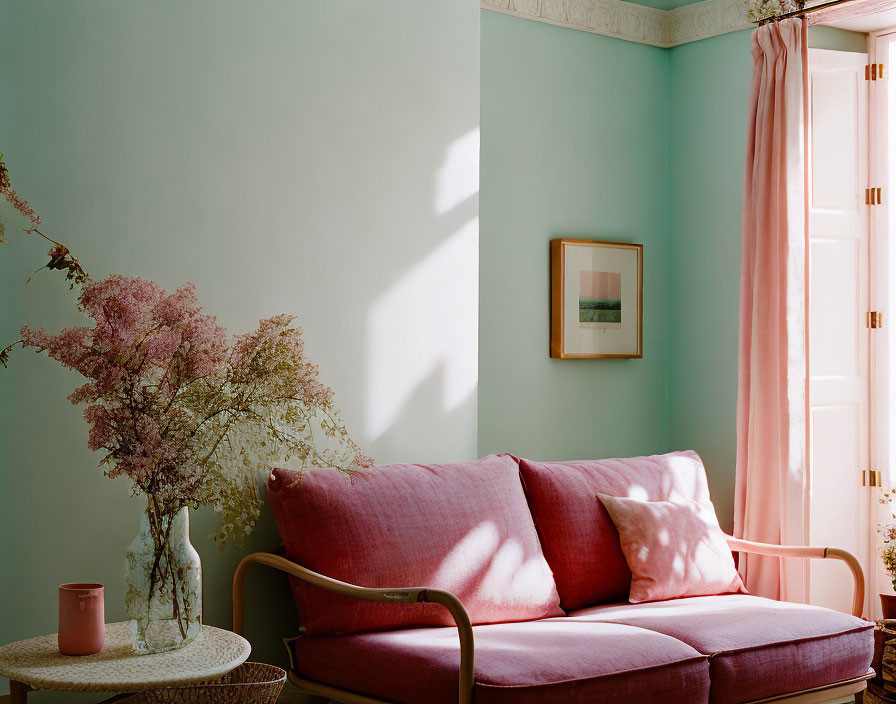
{"x":82,"y":628}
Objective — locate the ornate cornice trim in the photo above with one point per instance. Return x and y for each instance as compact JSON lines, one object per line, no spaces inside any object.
{"x":612,"y":18}
{"x":706,"y":19}
{"x":630,"y":21}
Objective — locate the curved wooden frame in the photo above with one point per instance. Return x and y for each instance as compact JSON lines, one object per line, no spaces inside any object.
{"x":413,"y":595}
{"x":399,"y":595}
{"x":858,"y":576}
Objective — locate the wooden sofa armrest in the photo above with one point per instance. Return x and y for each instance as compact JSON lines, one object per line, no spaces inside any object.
{"x":400,"y":595}
{"x":858,"y":576}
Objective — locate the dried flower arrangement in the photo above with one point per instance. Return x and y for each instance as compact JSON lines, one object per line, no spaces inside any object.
{"x":758,"y":10}
{"x":186,"y":414}
{"x":60,"y":257}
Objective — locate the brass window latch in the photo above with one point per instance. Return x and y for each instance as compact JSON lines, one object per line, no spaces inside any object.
{"x":875,"y":319}
{"x":871,"y":477}
{"x":873,"y":196}
{"x":874,"y":72}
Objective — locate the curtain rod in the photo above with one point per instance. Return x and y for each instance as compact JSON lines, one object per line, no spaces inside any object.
{"x":802,"y":11}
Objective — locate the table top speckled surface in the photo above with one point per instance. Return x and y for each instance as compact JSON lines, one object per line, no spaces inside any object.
{"x":38,"y":663}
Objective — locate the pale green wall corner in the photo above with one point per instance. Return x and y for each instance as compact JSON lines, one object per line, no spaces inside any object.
{"x":821,"y":37}
{"x":314,"y":158}
{"x":573,"y":144}
{"x":651,"y":152}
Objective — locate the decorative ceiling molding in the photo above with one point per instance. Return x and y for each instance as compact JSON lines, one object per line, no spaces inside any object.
{"x":630,"y":21}
{"x":709,"y":18}
{"x":612,"y":18}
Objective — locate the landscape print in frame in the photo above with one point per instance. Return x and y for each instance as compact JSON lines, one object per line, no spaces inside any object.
{"x":596,"y":299}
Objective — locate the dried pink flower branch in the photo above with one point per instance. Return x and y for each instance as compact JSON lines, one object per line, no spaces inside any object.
{"x":17,"y":202}
{"x":61,"y":258}
{"x":187,"y":416}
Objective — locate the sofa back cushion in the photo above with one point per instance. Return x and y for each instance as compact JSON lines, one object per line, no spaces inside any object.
{"x":578,"y":537}
{"x":463,"y":527}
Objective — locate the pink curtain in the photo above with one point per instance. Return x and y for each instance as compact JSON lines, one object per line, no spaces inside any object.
{"x":770,"y":486}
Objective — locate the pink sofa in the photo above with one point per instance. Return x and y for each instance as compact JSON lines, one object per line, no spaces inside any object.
{"x":501,"y":581}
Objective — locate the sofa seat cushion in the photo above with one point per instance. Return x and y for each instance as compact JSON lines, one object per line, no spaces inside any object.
{"x":541,"y":662}
{"x":464,"y":527}
{"x":580,"y":542}
{"x":757,"y":647}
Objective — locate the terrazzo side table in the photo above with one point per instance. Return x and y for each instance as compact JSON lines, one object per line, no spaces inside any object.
{"x":36,"y":663}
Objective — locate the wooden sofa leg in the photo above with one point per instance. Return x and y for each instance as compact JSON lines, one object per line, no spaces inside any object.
{"x":860,"y":697}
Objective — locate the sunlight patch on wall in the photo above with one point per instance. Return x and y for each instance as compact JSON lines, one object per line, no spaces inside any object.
{"x":426,"y":322}
{"x":458,"y":178}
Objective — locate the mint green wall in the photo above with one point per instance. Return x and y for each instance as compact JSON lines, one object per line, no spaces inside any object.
{"x":573,"y":144}
{"x":314,"y":158}
{"x":576,"y":129}
{"x":709,"y":81}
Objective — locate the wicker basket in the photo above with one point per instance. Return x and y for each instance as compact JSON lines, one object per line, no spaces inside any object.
{"x":250,"y":683}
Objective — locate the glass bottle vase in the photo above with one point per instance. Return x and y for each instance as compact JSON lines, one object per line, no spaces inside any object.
{"x":163,"y":583}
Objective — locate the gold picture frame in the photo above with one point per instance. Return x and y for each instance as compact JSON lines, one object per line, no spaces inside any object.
{"x":597,"y":299}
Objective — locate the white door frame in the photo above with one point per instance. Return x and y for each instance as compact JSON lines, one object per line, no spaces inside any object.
{"x":839,"y":342}
{"x":882,"y":378}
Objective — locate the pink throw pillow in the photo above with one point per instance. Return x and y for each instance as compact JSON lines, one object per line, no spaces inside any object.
{"x":673,"y":549}
{"x":579,"y":540}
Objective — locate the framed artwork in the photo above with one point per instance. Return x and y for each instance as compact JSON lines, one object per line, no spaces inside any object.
{"x":597,"y":292}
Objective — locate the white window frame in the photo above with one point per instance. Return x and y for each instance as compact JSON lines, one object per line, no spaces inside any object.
{"x":882,"y":368}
